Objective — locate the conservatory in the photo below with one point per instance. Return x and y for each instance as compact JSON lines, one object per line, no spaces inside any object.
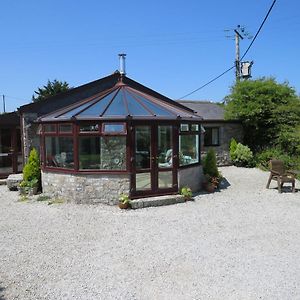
{"x":122,"y":140}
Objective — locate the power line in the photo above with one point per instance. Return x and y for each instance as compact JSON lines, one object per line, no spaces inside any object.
{"x":204,"y":85}
{"x":259,"y":29}
{"x":217,"y":77}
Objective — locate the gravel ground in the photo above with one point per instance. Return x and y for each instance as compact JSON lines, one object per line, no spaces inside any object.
{"x":240,"y":243}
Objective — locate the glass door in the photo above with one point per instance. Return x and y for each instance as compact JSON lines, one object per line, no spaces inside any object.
{"x":154,"y":167}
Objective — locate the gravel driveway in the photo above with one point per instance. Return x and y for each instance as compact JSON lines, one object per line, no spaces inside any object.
{"x":240,"y":243}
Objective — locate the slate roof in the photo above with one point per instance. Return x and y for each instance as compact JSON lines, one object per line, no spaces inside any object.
{"x":90,"y":89}
{"x":207,"y":110}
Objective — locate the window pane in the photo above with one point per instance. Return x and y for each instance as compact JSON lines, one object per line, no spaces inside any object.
{"x":211,"y":136}
{"x":112,"y":128}
{"x":59,"y":152}
{"x":165,"y":148}
{"x":49,"y":128}
{"x":165,"y":179}
{"x":65,"y":128}
{"x":184,"y":127}
{"x":113,"y":153}
{"x":215,"y":136}
{"x":117,"y":107}
{"x":89,"y":152}
{"x":195,"y":127}
{"x":142,"y":147}
{"x":188,"y":149}
{"x":143,"y":181}
{"x":89,"y":127}
{"x":134,"y":107}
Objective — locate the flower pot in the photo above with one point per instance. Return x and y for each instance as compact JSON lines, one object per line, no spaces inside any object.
{"x":208,"y":187}
{"x":123,"y":205}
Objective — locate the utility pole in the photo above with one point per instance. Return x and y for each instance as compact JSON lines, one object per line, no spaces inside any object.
{"x":238,"y":36}
{"x":3,"y":100}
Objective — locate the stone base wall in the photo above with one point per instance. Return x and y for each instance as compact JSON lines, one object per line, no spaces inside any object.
{"x":86,"y":188}
{"x":228,"y":130}
{"x":191,"y":177}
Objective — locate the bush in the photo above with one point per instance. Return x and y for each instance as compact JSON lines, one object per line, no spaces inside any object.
{"x":210,"y":164}
{"x":232,"y":148}
{"x":31,"y":170}
{"x":262,"y":158}
{"x":243,"y":156}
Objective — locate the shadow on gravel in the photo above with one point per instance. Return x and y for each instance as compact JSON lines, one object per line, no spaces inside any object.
{"x":1,"y":292}
{"x":223,"y":185}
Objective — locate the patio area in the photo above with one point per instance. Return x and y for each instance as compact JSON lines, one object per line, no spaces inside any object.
{"x":240,"y":243}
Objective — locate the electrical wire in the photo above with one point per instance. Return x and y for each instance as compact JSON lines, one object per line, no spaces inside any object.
{"x":217,"y":77}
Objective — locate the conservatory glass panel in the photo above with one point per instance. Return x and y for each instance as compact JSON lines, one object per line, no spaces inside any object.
{"x":155,"y":108}
{"x":89,"y":128}
{"x":143,"y":181}
{"x":74,"y":111}
{"x":65,"y":128}
{"x":49,"y":128}
{"x":89,"y":152}
{"x":165,"y":147}
{"x":134,"y":107}
{"x":114,"y":128}
{"x":117,"y":107}
{"x":165,"y":179}
{"x":98,"y":108}
{"x":113,"y":152}
{"x":142,"y":147}
{"x":188,"y":149}
{"x":59,"y":152}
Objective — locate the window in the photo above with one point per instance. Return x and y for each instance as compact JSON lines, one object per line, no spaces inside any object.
{"x":112,"y":128}
{"x":65,"y":128}
{"x":49,"y":128}
{"x":89,"y":128}
{"x":59,"y":152}
{"x":189,"y":144}
{"x":188,"y":149}
{"x":89,"y":152}
{"x":211,"y":136}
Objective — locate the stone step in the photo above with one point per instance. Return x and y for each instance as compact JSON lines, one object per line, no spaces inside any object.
{"x":2,"y":181}
{"x":156,"y":201}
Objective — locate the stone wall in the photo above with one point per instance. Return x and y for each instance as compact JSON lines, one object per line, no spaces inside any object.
{"x":227,"y":132}
{"x":86,"y":188}
{"x":191,"y":177}
{"x":30,"y":138}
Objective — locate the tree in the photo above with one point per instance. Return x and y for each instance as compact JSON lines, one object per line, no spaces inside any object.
{"x":267,"y":110}
{"x":52,"y":88}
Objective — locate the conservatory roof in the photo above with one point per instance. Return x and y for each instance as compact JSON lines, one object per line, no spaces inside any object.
{"x":121,"y":102}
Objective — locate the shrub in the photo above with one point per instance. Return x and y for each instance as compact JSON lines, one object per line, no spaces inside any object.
{"x":262,"y":158}
{"x":243,"y":156}
{"x":232,"y":148}
{"x":210,"y":164}
{"x":32,"y":169}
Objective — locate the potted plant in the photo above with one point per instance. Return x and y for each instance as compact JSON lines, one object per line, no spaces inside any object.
{"x":124,"y":201}
{"x":187,"y":193}
{"x":29,"y":187}
{"x":211,"y":172}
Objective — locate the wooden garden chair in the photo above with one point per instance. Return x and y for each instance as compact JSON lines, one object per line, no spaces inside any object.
{"x":281,"y":175}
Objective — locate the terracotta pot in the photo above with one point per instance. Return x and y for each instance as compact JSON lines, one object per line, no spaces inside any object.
{"x":209,"y":187}
{"x":123,"y":205}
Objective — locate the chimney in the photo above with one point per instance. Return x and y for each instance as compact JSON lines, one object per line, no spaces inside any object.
{"x":122,"y":57}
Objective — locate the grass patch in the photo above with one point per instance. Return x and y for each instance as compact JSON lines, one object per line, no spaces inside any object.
{"x":43,"y":198}
{"x":56,"y":201}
